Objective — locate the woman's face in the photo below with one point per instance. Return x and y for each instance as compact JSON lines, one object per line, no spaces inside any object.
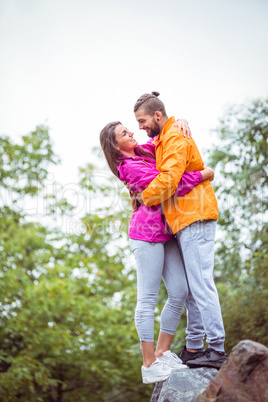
{"x":125,"y":140}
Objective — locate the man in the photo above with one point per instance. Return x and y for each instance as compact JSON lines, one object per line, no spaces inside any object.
{"x":193,"y":219}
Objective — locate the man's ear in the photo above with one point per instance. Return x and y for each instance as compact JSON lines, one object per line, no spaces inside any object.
{"x":158,"y":116}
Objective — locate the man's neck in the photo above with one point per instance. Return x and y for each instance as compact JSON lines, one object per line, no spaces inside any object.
{"x":162,"y":123}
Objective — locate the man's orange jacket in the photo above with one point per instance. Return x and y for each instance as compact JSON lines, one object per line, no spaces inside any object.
{"x":176,"y":154}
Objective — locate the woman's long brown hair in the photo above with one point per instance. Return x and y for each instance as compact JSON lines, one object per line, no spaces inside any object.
{"x":109,"y":146}
{"x":112,"y":154}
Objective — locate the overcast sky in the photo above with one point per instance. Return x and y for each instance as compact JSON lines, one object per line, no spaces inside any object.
{"x":77,"y":65}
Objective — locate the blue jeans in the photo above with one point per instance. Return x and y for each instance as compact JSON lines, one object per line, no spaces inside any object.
{"x":155,"y":261}
{"x":196,"y":243}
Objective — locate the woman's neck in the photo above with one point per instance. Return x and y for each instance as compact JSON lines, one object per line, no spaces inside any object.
{"x":130,"y":153}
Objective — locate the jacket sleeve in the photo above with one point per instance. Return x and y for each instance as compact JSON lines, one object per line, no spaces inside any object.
{"x":176,"y":149}
{"x":149,"y":147}
{"x":188,"y":181}
{"x":139,"y":174}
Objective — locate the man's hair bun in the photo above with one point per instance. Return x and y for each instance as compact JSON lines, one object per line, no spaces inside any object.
{"x":150,"y":103}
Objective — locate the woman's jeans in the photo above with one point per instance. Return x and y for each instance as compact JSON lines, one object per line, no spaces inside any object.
{"x":155,"y":261}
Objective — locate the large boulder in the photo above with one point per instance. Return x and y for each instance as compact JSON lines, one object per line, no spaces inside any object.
{"x":244,"y":377}
{"x":183,"y":385}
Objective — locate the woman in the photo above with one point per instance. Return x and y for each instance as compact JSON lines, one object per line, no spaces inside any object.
{"x":154,"y":247}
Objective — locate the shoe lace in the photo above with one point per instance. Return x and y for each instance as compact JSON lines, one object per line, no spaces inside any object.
{"x":208,"y":352}
{"x":164,"y":365}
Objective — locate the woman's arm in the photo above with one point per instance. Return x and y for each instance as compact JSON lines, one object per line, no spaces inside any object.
{"x":183,"y":125}
{"x":191,"y":179}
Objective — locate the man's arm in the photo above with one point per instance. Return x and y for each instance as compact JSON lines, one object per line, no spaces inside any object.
{"x":171,"y":168}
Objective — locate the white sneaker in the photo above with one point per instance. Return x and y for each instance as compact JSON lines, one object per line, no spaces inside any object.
{"x":157,"y":371}
{"x":172,"y":360}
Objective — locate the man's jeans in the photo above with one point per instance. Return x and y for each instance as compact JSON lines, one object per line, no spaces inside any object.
{"x":196,"y":242}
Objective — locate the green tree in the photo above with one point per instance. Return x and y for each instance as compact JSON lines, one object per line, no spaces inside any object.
{"x":66,"y":299}
{"x":241,"y":160}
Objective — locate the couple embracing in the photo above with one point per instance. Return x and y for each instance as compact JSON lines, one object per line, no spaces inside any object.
{"x":172,"y":234}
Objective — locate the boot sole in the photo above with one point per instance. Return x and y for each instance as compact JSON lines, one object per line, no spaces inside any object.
{"x":190,"y":358}
{"x":209,"y":365}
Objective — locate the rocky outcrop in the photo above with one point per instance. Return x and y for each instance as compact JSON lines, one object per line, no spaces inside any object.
{"x":183,"y":385}
{"x":244,"y":377}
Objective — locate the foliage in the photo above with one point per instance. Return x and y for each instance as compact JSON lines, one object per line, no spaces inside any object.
{"x":23,"y":168}
{"x":241,"y":161}
{"x":67,"y":299}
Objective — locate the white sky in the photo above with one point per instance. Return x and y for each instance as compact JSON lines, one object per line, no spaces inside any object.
{"x":77,"y":65}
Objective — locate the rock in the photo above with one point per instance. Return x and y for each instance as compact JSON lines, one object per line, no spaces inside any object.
{"x":156,"y":391}
{"x":183,"y":385}
{"x":243,"y":377}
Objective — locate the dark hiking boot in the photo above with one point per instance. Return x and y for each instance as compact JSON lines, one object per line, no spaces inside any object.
{"x":185,"y":355}
{"x":210,"y":358}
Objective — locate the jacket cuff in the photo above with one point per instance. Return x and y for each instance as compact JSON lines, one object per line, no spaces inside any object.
{"x":200,"y":177}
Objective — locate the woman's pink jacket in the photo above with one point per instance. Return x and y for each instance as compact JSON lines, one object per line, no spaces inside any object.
{"x":147,"y":223}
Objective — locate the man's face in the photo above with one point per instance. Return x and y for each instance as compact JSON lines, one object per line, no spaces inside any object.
{"x":147,"y":123}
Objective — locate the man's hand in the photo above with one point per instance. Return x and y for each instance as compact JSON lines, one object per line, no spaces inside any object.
{"x":183,"y":125}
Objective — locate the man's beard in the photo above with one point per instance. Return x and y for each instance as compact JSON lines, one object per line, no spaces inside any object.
{"x":154,"y":131}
